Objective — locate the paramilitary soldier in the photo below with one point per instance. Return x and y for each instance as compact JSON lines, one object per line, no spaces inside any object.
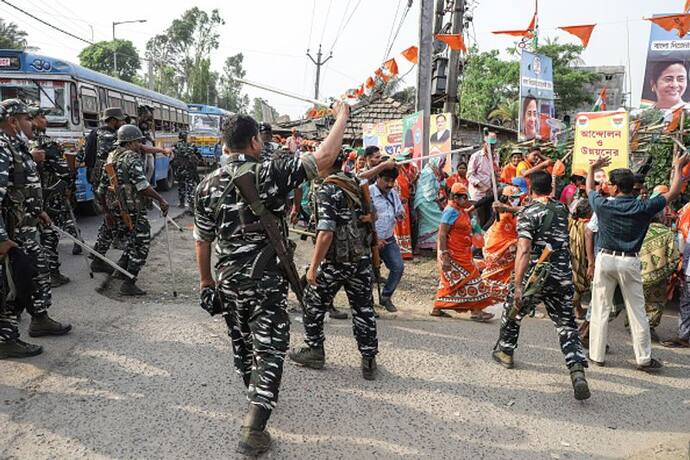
{"x":123,"y":185}
{"x":22,"y":212}
{"x":106,"y":140}
{"x":252,"y":283}
{"x":342,"y":257}
{"x":56,"y":181}
{"x":185,"y":164}
{"x":269,"y":151}
{"x":544,"y":222}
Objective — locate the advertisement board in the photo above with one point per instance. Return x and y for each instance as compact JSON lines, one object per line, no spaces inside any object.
{"x":536,"y":96}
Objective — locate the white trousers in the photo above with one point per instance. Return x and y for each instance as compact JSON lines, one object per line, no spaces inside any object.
{"x":625,"y":271}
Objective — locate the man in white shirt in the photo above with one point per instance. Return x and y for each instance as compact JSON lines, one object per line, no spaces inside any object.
{"x":483,"y":163}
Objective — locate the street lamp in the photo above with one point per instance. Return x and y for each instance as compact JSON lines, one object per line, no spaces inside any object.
{"x":116,"y":23}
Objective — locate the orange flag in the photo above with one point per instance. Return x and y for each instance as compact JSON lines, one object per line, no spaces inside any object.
{"x":411,"y":53}
{"x":359,"y":91}
{"x":378,"y":72}
{"x":370,"y":83}
{"x":687,"y":6}
{"x":528,"y":32}
{"x":391,"y":66}
{"x":670,"y":22}
{"x":455,"y":41}
{"x":675,"y":121}
{"x":581,"y":32}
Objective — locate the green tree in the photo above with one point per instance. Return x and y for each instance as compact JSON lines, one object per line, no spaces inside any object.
{"x":506,"y":114}
{"x":185,"y":48}
{"x":12,"y":37}
{"x":406,"y":95}
{"x":100,"y":57}
{"x":487,"y":80}
{"x":261,"y":107}
{"x":229,"y":90}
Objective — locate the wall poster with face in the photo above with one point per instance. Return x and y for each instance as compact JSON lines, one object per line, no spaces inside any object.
{"x":536,"y":96}
{"x":665,"y":81}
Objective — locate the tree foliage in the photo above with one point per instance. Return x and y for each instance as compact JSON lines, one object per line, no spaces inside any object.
{"x":100,"y":57}
{"x":12,"y":37}
{"x":229,"y":95}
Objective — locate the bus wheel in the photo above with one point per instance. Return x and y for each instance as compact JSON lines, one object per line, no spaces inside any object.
{"x":166,"y":184}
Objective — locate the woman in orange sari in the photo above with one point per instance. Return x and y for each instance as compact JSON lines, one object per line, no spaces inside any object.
{"x":461,"y":286}
{"x":407,"y":177}
{"x":501,"y":239}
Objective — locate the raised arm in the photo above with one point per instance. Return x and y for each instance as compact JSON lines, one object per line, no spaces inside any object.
{"x":599,"y":163}
{"x":677,"y":175}
{"x":330,"y":147}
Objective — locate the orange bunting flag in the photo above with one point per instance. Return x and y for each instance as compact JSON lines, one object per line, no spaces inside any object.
{"x":411,"y":53}
{"x":675,"y":120}
{"x":687,"y":6}
{"x":359,"y":91}
{"x":528,"y":32}
{"x":370,"y":83}
{"x":671,"y":22}
{"x":581,"y":32}
{"x":378,"y":72}
{"x":391,"y":66}
{"x":455,"y":41}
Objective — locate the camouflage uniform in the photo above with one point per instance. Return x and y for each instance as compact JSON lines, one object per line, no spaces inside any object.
{"x":129,"y":168}
{"x":106,"y":141}
{"x":184,"y":167}
{"x":348,"y":264}
{"x":252,"y":288}
{"x":21,"y":205}
{"x":55,"y":180}
{"x":557,"y":292}
{"x":268,"y":153}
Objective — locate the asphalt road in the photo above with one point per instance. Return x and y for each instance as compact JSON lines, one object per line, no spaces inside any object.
{"x":154,"y":380}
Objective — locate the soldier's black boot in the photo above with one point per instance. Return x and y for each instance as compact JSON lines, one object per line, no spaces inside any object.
{"x":369,"y":369}
{"x":336,"y":314}
{"x":57,"y":279}
{"x":76,"y":250}
{"x":129,"y":288}
{"x":18,"y":349}
{"x":314,"y":358}
{"x":254,"y":439}
{"x":577,"y":376}
{"x":98,"y":266}
{"x":122,"y":263}
{"x":42,"y":325}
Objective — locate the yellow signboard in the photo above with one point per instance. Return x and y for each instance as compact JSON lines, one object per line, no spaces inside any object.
{"x":601,"y":134}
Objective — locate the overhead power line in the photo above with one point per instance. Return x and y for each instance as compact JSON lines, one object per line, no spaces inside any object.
{"x":46,"y":23}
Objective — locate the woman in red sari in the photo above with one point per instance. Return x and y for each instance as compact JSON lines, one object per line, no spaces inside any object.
{"x":501,"y":238}
{"x":461,"y":286}
{"x":407,"y":178}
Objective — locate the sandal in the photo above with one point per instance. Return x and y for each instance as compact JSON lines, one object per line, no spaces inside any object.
{"x":675,"y":343}
{"x":439,"y":313}
{"x":482,"y":317}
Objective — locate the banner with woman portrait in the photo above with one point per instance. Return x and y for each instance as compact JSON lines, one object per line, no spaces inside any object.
{"x":665,"y":81}
{"x":536,"y":96}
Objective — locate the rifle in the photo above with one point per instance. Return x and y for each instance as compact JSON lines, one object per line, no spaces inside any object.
{"x":109,"y":169}
{"x":535,"y":282}
{"x":370,"y":220}
{"x":246,"y":186}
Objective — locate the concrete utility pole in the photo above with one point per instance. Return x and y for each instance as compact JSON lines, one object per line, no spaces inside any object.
{"x":426,"y":20}
{"x":453,"y":62}
{"x":438,"y":21}
{"x":117,"y":23}
{"x":318,"y":63}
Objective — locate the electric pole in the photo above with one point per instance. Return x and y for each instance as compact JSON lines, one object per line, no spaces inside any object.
{"x":426,"y":20}
{"x":318,"y":63}
{"x":453,"y":62}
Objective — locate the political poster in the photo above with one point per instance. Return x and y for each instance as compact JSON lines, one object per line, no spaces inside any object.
{"x":665,"y":80}
{"x":600,"y":134}
{"x":386,"y":135}
{"x":440,"y":135}
{"x":412,"y":133}
{"x":536,"y":96}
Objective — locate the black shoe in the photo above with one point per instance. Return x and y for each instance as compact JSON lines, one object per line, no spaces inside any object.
{"x":388,"y":304}
{"x":654,"y":366}
{"x":503,"y":358}
{"x":254,"y":439}
{"x":42,"y":325}
{"x":57,"y":279}
{"x":76,"y":250}
{"x":129,"y":288}
{"x":180,"y":204}
{"x":19,"y":349}
{"x":122,"y":263}
{"x":369,"y":369}
{"x":580,"y":387}
{"x":313,"y":358}
{"x":336,"y":314}
{"x":98,"y":266}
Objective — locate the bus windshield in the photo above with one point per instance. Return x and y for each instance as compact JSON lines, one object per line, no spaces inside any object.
{"x":205,"y":122}
{"x":51,"y":94}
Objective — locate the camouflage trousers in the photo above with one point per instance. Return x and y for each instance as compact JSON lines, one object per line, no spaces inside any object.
{"x":186,"y":187}
{"x":138,"y":240}
{"x":60,"y":215}
{"x":259,"y":329}
{"x":357,"y":278}
{"x":557,"y":296}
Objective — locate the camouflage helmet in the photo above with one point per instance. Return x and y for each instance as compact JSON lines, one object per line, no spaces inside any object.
{"x":14,"y":107}
{"x":182,"y":135}
{"x":3,"y":113}
{"x":129,"y":133}
{"x":35,"y":110}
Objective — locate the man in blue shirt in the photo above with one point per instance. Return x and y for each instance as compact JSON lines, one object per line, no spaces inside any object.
{"x":623,"y":223}
{"x":388,"y":210}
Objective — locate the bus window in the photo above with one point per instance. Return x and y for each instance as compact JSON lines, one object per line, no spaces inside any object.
{"x":114,"y":99}
{"x":103,"y":99}
{"x":74,"y":104}
{"x":50,"y":95}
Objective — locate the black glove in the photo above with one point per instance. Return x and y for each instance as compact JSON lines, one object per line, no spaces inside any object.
{"x":210,"y":301}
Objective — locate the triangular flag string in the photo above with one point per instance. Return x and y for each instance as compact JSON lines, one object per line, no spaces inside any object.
{"x":671,"y":22}
{"x":412,"y":53}
{"x":583,"y":32}
{"x":391,"y":66}
{"x":528,"y":32}
{"x":454,"y":41}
